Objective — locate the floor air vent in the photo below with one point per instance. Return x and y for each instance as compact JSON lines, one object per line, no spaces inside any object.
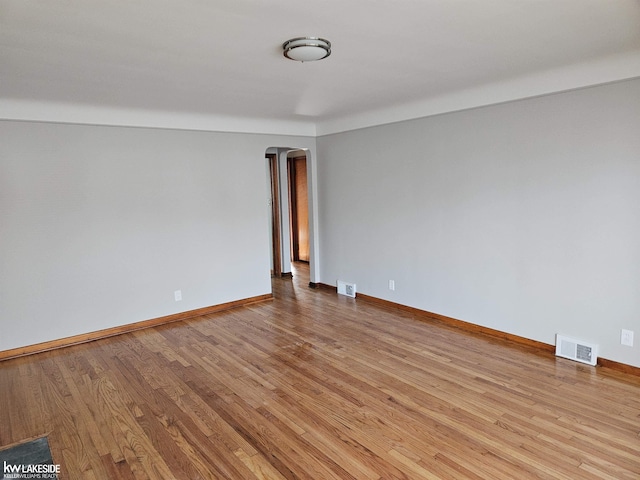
{"x":348,"y":289}
{"x":576,"y":350}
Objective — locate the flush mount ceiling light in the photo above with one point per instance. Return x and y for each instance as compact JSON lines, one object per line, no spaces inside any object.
{"x":307,"y":49}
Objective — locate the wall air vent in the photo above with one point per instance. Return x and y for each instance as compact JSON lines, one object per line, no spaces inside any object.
{"x":348,"y":289}
{"x":576,"y":350}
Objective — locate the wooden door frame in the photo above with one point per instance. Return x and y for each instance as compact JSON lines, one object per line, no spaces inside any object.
{"x":275,"y":214}
{"x":293,"y":206}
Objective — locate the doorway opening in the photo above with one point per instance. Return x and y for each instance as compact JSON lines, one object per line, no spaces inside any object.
{"x":298,"y":207}
{"x":291,"y":212}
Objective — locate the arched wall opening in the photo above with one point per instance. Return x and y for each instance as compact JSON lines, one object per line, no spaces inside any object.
{"x":280,"y":173}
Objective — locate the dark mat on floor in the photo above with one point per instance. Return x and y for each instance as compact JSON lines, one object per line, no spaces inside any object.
{"x":35,"y":452}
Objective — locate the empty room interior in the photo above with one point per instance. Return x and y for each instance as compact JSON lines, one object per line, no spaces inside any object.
{"x":336,"y":240}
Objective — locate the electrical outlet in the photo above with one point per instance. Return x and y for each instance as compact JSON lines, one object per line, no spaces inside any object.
{"x":626,"y":337}
{"x":392,"y":285}
{"x":177,"y":295}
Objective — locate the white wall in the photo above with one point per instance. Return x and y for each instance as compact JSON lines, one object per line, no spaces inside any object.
{"x":522,"y":217}
{"x":99,"y":225}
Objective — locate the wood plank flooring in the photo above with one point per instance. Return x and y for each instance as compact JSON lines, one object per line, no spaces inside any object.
{"x":316,"y":386}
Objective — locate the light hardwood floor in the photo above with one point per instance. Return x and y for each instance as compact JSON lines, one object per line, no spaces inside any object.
{"x":317,"y":386}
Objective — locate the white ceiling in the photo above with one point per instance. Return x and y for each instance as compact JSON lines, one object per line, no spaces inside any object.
{"x":391,"y":60}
